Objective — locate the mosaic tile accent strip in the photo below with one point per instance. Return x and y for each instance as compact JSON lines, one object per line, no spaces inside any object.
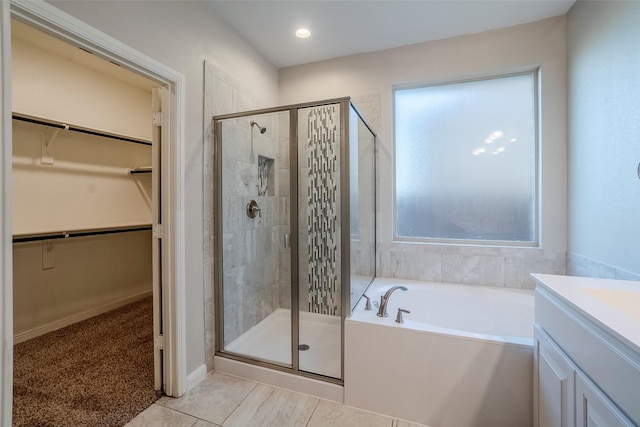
{"x":323,"y":146}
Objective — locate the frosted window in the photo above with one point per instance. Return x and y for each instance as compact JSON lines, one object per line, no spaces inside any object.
{"x":466,"y":161}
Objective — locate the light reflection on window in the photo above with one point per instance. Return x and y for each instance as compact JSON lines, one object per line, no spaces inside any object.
{"x":465,"y":158}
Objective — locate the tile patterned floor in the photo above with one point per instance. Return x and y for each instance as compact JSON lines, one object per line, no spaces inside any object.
{"x":223,"y":400}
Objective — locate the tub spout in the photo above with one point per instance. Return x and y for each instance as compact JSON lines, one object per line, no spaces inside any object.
{"x":382,"y":311}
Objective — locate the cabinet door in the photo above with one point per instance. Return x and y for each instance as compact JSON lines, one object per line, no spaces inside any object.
{"x":554,"y":385}
{"x":594,"y":409}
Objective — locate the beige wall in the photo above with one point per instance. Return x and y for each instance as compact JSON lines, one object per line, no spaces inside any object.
{"x":540,"y":44}
{"x":48,"y":85}
{"x":82,"y":182}
{"x":87,"y":186}
{"x":91,"y":275}
{"x":604,"y":143}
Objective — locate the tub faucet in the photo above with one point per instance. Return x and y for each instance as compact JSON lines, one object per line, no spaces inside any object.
{"x":382,"y":311}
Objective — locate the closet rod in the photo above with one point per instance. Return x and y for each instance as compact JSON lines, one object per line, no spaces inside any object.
{"x":78,"y":129}
{"x":142,"y":169}
{"x":80,"y":233}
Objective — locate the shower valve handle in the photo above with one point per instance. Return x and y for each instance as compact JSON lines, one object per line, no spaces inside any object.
{"x":253,"y":209}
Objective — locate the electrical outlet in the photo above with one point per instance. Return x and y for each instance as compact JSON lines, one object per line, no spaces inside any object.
{"x":48,"y":255}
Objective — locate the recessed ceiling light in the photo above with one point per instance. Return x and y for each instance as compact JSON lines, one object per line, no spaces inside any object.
{"x":303,"y":33}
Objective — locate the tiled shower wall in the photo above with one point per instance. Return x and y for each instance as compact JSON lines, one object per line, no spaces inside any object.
{"x":253,"y":260}
{"x":250,"y":245}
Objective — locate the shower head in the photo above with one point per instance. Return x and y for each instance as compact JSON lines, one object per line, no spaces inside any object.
{"x":262,"y":129}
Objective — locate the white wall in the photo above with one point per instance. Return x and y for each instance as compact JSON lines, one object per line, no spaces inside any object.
{"x":183,"y":35}
{"x":604,"y":138}
{"x":540,"y":44}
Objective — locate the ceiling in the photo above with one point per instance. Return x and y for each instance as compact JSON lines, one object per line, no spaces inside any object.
{"x":347,"y":27}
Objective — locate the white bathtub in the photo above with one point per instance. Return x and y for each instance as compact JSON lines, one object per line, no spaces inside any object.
{"x":463,"y":357}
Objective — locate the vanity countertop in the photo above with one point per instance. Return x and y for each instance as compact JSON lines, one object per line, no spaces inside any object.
{"x":612,"y":304}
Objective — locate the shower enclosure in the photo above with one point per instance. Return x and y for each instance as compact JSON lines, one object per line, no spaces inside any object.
{"x":295,"y":233}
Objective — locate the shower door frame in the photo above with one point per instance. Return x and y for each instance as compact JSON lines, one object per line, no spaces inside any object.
{"x":345,"y":239}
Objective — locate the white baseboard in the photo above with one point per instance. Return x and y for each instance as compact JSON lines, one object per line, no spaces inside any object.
{"x":50,"y":327}
{"x":196,"y":376}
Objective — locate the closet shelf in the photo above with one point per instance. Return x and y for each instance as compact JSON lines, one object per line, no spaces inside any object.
{"x":58,"y":125}
{"x":21,"y":238}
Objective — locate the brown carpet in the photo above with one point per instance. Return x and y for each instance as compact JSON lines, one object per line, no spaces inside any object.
{"x":98,"y":372}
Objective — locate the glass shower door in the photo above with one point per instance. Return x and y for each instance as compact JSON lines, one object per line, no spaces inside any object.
{"x":319,"y":241}
{"x":256,"y":259}
{"x":295,"y":233}
{"x":362,"y":206}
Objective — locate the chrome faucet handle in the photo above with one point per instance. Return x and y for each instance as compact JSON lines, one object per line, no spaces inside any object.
{"x":253,"y":209}
{"x":367,"y":306}
{"x":399,"y":318}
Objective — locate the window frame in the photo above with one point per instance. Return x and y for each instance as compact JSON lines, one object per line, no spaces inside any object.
{"x":535,"y":243}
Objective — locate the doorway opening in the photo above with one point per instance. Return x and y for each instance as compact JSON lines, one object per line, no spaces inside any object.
{"x":85,"y":196}
{"x":167,"y":231}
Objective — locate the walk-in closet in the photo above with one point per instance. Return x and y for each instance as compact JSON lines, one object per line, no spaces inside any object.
{"x":83,"y":248}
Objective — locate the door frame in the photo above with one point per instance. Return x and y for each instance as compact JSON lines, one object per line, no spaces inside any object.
{"x":49,"y":19}
{"x":6,"y":234}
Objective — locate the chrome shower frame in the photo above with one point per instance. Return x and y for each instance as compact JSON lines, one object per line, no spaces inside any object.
{"x":345,"y":104}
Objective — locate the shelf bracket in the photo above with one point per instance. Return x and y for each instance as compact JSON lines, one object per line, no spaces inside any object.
{"x":47,"y":145}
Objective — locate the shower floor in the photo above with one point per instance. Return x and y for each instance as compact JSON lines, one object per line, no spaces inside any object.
{"x":270,"y":340}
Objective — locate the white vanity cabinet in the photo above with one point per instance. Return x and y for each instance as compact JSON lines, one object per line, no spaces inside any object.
{"x":587,"y":353}
{"x":593,"y":408}
{"x":554,"y":380}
